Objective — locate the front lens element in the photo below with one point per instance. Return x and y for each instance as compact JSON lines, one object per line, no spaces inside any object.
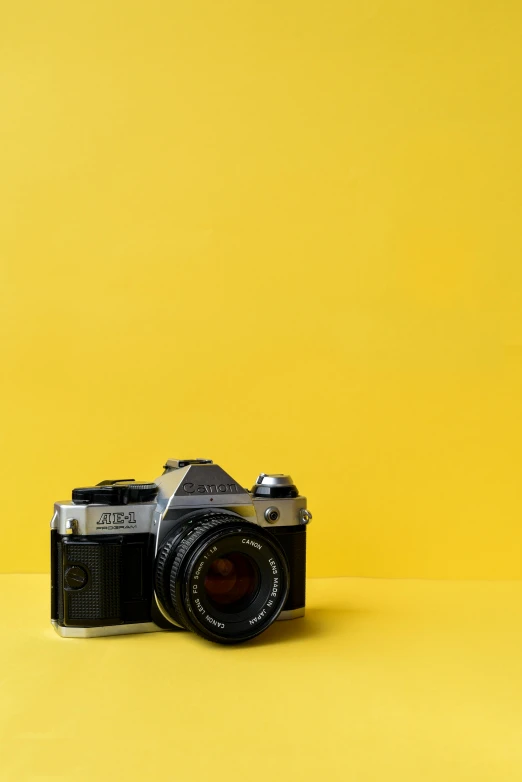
{"x":232,"y":582}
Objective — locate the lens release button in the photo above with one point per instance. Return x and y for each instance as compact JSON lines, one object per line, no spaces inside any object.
{"x":75,"y":577}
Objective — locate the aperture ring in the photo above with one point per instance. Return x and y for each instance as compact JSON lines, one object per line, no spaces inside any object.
{"x":183,"y":547}
{"x":165,"y":557}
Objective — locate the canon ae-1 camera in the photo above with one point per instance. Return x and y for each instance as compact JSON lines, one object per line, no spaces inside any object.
{"x":193,"y":551}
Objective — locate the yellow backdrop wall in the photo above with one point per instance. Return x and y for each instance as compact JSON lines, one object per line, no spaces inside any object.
{"x":283,"y":235}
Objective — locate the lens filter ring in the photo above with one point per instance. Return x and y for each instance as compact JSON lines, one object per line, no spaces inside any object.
{"x":229,"y":580}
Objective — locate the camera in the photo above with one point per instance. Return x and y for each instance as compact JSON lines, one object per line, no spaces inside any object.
{"x":193,"y":550}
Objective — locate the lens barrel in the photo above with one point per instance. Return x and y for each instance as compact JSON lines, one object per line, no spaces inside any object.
{"x":221,"y":577}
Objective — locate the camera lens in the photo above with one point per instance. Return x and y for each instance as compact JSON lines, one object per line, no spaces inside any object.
{"x":221,"y":577}
{"x":232,"y":582}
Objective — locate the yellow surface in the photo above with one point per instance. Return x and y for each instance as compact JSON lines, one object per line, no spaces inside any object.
{"x":383,"y":681}
{"x":284,"y":235}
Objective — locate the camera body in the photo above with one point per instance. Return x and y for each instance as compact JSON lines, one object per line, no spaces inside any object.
{"x":193,"y":550}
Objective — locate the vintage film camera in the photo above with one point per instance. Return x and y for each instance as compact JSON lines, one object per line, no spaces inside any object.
{"x":193,"y":550}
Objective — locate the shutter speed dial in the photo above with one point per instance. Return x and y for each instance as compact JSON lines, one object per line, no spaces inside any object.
{"x":276,"y":485}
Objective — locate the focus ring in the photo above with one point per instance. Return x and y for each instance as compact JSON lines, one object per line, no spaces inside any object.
{"x":166,"y":555}
{"x":184,"y":546}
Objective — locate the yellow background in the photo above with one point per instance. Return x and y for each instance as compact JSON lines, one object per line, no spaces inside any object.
{"x":384,"y":681}
{"x":283,"y":235}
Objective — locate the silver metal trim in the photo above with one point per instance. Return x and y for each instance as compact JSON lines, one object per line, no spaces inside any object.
{"x":71,"y":527}
{"x":289,"y":509}
{"x":275,"y":479}
{"x":295,"y":613}
{"x":305,"y":517}
{"x":99,"y":632}
{"x":173,"y":487}
{"x":164,"y":613}
{"x":71,"y":519}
